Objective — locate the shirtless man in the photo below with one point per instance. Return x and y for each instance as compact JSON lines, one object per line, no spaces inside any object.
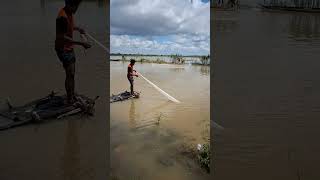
{"x":64,"y":44}
{"x":130,"y":73}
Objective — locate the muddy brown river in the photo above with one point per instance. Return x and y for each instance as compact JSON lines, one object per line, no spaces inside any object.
{"x":140,"y":147}
{"x":267,"y":95}
{"x":72,"y":148}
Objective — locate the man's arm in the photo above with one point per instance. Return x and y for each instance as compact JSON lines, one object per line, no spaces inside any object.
{"x":62,"y":28}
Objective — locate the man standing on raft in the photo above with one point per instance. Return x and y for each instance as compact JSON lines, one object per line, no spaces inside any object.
{"x":64,"y":44}
{"x":131,"y":72}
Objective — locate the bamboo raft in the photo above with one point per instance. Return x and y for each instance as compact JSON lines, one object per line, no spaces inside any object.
{"x":49,"y":107}
{"x":123,"y":96}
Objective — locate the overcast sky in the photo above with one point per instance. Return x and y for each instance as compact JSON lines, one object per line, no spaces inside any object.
{"x":160,"y":27}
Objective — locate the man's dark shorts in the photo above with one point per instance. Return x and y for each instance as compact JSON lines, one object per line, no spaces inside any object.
{"x":66,"y":57}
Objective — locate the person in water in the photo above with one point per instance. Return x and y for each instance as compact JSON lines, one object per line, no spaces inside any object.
{"x":131,"y":72}
{"x":64,"y":44}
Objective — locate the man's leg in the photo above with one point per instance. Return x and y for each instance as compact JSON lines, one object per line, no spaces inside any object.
{"x":69,"y":81}
{"x":131,"y":85}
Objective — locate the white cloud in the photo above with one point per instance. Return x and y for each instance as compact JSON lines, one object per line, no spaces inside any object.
{"x":180,"y":44}
{"x":135,"y":22}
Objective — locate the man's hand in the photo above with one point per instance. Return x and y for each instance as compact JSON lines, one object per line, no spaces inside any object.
{"x":81,"y":31}
{"x":86,"y":45}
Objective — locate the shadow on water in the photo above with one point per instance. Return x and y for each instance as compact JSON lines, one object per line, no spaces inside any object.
{"x":226,"y":26}
{"x":70,"y":159}
{"x":205,"y":70}
{"x":158,"y":107}
{"x":132,"y":115}
{"x":225,"y":21}
{"x":304,"y":27}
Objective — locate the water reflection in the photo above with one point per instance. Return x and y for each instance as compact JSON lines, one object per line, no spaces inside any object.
{"x":304,"y":26}
{"x":158,"y":108}
{"x":225,"y":25}
{"x":70,"y":159}
{"x":132,"y":110}
{"x":205,"y":70}
{"x":176,"y":69}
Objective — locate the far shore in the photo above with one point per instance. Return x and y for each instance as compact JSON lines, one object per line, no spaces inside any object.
{"x":163,"y":59}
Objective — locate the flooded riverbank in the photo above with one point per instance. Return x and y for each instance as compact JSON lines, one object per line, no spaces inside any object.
{"x":151,"y":136}
{"x":162,"y":59}
{"x":70,"y":148}
{"x":266,"y":95}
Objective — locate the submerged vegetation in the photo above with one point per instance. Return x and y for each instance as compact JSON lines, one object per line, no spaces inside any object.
{"x":201,"y":155}
{"x":159,"y":118}
{"x":204,"y":157}
{"x":202,"y":152}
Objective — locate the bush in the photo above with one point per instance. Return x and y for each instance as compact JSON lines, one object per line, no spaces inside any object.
{"x":204,"y":157}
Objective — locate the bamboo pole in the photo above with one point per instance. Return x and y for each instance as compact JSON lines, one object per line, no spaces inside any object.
{"x":160,"y":90}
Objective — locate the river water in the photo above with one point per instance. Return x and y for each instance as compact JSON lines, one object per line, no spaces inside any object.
{"x":267,"y":92}
{"x":144,"y":150}
{"x":72,"y":148}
